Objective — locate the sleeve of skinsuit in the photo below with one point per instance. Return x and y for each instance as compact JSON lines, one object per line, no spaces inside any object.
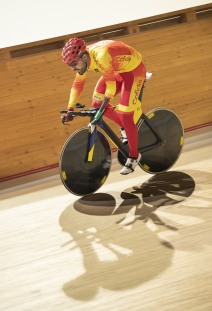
{"x":105,"y":63}
{"x":77,"y":89}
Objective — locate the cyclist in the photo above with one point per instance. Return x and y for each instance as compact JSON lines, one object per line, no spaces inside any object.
{"x":122,"y":71}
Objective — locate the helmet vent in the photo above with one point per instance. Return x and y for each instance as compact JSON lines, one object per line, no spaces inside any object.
{"x":72,"y":50}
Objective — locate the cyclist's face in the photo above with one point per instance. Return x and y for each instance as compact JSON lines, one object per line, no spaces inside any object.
{"x":81,"y":65}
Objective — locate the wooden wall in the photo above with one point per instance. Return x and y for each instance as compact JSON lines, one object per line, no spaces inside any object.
{"x":33,"y":89}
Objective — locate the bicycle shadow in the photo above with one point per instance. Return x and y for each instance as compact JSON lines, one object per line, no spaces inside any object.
{"x":119,"y":250}
{"x":165,"y":189}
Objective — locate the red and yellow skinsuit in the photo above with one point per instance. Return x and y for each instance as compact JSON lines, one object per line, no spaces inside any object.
{"x":122,"y":71}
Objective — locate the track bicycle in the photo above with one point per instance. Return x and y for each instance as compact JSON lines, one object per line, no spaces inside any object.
{"x":85,"y":159}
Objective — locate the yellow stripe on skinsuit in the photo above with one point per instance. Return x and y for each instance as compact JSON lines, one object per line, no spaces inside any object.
{"x":135,"y":91}
{"x":134,"y":103}
{"x":134,"y":95}
{"x":136,"y":108}
{"x":98,"y":96}
{"x":138,"y":112}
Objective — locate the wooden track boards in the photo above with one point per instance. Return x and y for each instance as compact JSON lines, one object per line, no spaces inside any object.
{"x":139,"y":244}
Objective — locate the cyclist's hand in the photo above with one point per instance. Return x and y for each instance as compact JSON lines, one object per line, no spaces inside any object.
{"x":67,"y":117}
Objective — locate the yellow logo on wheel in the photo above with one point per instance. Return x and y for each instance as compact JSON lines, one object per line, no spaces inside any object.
{"x":64,"y":175}
{"x":103,"y":179}
{"x":146,"y":167}
{"x":151,"y":115}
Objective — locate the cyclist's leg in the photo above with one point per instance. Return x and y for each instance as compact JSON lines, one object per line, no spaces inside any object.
{"x":98,"y":97}
{"x":129,"y":103}
{"x":131,"y":132}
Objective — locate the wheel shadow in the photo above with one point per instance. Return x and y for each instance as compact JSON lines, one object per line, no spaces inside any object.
{"x":165,"y":189}
{"x":119,"y":251}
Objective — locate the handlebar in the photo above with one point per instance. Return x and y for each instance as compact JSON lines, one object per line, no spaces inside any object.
{"x":83,"y":113}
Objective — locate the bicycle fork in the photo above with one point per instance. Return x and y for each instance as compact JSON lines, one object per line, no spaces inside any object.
{"x":92,"y":135}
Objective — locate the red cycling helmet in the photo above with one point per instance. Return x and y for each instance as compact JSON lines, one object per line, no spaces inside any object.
{"x":72,"y":49}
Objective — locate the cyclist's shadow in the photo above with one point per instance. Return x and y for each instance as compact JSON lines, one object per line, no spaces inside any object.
{"x":119,"y":250}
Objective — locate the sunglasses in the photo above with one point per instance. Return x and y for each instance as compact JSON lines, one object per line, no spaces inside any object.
{"x":74,"y":63}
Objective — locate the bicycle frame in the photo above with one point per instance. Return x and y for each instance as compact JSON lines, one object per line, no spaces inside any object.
{"x":123,"y":148}
{"x":86,"y":155}
{"x":116,"y":141}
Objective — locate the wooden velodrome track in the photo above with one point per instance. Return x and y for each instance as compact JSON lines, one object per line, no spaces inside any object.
{"x":142,"y":242}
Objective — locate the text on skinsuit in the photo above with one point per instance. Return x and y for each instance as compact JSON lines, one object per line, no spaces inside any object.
{"x":137,"y":91}
{"x":108,"y":95}
{"x":97,"y":97}
{"x":124,"y":58}
{"x":98,"y":64}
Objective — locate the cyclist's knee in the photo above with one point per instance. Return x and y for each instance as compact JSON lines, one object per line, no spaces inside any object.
{"x":97,"y":99}
{"x":96,"y":103}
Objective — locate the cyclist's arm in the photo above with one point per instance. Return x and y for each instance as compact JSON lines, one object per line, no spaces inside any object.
{"x":77,"y":89}
{"x":105,"y":61}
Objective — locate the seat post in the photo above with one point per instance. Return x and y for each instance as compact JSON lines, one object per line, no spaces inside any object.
{"x":141,"y":93}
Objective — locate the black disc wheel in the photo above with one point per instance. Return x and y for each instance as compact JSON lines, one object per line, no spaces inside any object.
{"x":79,"y":176}
{"x":169,"y":128}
